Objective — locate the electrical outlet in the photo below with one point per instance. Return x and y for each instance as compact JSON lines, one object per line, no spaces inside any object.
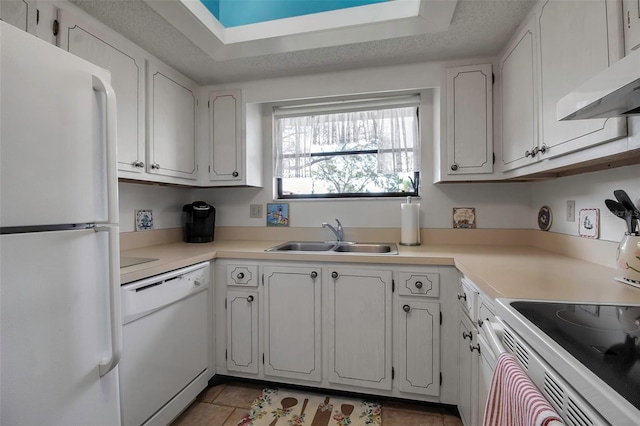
{"x":255,"y":211}
{"x":571,"y":210}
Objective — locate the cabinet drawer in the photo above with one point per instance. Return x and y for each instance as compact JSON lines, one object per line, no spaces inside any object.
{"x":419,"y":284}
{"x":485,"y":309}
{"x":468,"y":298}
{"x":243,"y":275}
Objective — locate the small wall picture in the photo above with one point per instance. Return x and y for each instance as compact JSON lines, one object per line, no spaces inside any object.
{"x":144,"y":220}
{"x":277,"y":214}
{"x":589,"y":223}
{"x":464,"y":217}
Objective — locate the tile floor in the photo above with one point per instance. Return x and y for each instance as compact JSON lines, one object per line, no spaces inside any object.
{"x":225,"y":405}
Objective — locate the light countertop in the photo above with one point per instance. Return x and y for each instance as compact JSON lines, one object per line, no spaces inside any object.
{"x":517,"y":272}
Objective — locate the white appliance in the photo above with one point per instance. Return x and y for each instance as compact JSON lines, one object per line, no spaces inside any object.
{"x":165,"y":353}
{"x":60,"y":334}
{"x":584,"y":358}
{"x":615,"y":92}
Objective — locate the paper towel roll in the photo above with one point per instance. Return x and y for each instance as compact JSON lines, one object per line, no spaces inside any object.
{"x":410,"y":224}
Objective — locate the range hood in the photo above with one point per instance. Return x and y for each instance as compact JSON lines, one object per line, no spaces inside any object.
{"x":615,"y":92}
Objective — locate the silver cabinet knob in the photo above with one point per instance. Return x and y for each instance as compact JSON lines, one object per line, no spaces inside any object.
{"x":155,"y":166}
{"x":406,"y":308}
{"x":250,"y":299}
{"x":314,"y":275}
{"x":138,"y":164}
{"x":454,"y":167}
{"x":480,"y":322}
{"x":466,"y":335}
{"x":334,"y":275}
{"x":418,"y":284}
{"x":462,"y":296}
{"x":197,"y":283}
{"x":543,"y":149}
{"x":234,"y":174}
{"x":474,"y":348}
{"x":528,"y":154}
{"x":240,"y":275}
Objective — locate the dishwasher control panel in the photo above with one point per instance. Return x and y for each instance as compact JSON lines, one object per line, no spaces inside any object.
{"x":142,"y":297}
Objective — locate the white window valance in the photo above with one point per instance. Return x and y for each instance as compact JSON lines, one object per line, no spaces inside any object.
{"x":386,"y":126}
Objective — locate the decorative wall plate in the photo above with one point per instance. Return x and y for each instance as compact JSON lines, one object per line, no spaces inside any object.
{"x":144,"y":220}
{"x":545,"y":217}
{"x":464,"y":217}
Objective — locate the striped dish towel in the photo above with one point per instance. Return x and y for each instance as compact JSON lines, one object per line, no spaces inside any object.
{"x":514,"y":400}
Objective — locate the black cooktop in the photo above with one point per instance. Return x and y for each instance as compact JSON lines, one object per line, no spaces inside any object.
{"x":605,"y":338}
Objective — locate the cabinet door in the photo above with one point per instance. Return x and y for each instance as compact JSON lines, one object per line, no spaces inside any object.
{"x":419,"y":340}
{"x":468,"y":371}
{"x":469,"y":120}
{"x":20,"y":13}
{"x":577,"y":40}
{"x":359,"y":327}
{"x":292,"y":321}
{"x":631,"y":25}
{"x":225,"y":113}
{"x":171,"y":123}
{"x":242,"y":331}
{"x":519,"y":118}
{"x":104,"y":48}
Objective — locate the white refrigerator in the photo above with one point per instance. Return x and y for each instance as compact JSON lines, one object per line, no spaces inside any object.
{"x":60,"y":335}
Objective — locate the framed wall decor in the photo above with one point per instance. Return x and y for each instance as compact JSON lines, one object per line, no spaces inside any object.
{"x":464,"y":217}
{"x":144,"y":220}
{"x":277,"y":214}
{"x":589,"y":223}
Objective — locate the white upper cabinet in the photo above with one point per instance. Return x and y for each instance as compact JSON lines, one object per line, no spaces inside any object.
{"x":577,"y":40}
{"x":235,"y":140}
{"x":171,"y":122}
{"x":469,"y":120}
{"x":631,"y":25}
{"x":519,"y":118}
{"x":97,"y":44}
{"x":20,"y":13}
{"x":225,"y":115}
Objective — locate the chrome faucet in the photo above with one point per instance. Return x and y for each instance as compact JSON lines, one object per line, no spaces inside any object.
{"x":339,"y":231}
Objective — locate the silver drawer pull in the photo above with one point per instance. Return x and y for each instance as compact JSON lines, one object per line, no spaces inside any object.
{"x":406,"y":308}
{"x":462,"y":296}
{"x":250,"y":299}
{"x":418,"y":284}
{"x":240,"y":275}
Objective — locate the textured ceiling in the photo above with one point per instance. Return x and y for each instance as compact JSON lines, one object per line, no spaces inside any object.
{"x":478,"y":28}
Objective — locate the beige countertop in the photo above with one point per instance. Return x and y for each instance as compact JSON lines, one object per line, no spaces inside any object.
{"x":518,"y":272}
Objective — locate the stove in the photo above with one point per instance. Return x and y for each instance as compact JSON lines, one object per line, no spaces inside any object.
{"x":594,"y":348}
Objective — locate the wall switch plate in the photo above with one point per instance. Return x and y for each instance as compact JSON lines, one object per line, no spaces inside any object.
{"x":571,"y":210}
{"x":255,"y":211}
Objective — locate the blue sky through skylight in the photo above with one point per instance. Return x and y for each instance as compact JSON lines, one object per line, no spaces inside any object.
{"x":233,"y":13}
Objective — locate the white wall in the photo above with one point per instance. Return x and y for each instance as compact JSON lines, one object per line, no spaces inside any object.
{"x":589,"y":191}
{"x":165,"y":202}
{"x":498,"y":205}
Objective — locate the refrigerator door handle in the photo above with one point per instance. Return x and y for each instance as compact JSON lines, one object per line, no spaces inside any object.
{"x":99,"y":85}
{"x":109,"y":362}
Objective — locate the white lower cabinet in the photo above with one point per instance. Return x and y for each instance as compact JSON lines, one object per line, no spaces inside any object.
{"x":468,"y":370}
{"x":242,"y":331}
{"x":353,"y":327}
{"x":419,"y":343}
{"x":292,"y":322}
{"x":359,"y":327}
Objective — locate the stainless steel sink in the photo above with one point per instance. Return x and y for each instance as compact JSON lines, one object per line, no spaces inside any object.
{"x":328,"y":247}
{"x":367,"y":248}
{"x":303,"y":246}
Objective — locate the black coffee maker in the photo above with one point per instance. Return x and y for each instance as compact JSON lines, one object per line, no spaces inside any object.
{"x":198,"y":222}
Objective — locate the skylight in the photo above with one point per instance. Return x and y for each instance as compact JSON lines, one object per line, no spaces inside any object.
{"x":233,"y":13}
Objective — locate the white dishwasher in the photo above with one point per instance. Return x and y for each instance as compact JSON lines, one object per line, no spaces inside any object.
{"x":165,"y":348}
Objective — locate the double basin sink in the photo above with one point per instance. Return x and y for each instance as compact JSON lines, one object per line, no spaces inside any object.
{"x":332,"y":247}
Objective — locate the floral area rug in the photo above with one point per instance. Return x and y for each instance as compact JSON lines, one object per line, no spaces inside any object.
{"x":290,"y":408}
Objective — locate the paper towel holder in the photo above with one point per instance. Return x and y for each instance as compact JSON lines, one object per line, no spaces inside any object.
{"x":417,"y":223}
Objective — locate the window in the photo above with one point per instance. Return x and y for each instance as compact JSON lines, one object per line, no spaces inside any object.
{"x":364,"y":148}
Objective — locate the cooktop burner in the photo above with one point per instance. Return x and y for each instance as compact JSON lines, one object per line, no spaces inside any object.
{"x":605,"y":338}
